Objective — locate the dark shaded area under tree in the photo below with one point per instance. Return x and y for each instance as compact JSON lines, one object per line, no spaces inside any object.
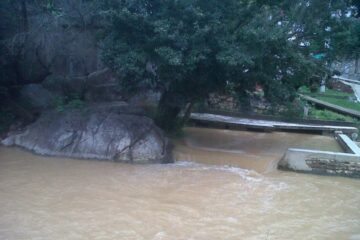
{"x":185,"y":50}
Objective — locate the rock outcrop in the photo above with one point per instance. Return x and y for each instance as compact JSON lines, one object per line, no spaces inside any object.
{"x":115,"y":132}
{"x":35,"y":96}
{"x":98,"y":86}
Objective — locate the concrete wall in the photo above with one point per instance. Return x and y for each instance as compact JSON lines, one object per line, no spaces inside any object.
{"x":319,"y":162}
{"x":347,"y":144}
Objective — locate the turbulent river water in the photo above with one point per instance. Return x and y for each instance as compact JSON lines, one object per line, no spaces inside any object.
{"x":224,"y":186}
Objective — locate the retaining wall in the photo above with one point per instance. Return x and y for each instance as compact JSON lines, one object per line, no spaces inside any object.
{"x":320,"y":162}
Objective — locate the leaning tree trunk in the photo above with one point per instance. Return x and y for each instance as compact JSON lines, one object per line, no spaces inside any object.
{"x":24,"y":16}
{"x":167,"y":113}
{"x":187,"y":113}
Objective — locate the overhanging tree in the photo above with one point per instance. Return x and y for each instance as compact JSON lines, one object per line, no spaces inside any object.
{"x":190,"y":48}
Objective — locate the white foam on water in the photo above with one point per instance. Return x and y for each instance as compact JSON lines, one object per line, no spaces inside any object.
{"x":232,"y":220}
{"x":355,"y":237}
{"x":248,"y":175}
{"x":159,"y":236}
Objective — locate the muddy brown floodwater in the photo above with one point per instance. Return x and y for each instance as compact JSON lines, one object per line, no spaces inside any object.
{"x":239,"y":195}
{"x":256,"y":151}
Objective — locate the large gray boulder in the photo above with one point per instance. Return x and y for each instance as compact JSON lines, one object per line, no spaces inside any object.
{"x":106,"y":132}
{"x":98,"y":86}
{"x":64,"y":85}
{"x":102,"y":86}
{"x":36,"y":96}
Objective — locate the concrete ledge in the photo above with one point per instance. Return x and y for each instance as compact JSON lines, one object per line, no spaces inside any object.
{"x":346,"y":79}
{"x":347,"y":144}
{"x":256,"y":116}
{"x":238,"y":123}
{"x":336,"y":108}
{"x":321,"y":162}
{"x":232,"y":125}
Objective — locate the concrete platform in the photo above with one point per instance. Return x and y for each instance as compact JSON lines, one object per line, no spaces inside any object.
{"x":321,"y":162}
{"x":231,"y":122}
{"x":347,"y":144}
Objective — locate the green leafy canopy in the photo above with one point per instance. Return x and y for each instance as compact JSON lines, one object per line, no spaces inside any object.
{"x":190,"y":48}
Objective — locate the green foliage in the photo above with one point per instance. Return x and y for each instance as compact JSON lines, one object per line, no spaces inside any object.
{"x":294,"y":110}
{"x":339,"y":98}
{"x":346,"y":103}
{"x":329,"y":92}
{"x":167,"y":45}
{"x":63,"y":103}
{"x":314,"y":88}
{"x":190,"y":48}
{"x":346,"y":39}
{"x":329,"y":115}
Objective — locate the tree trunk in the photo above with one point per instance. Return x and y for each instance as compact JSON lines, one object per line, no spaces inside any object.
{"x":323,"y":84}
{"x":356,"y":64}
{"x":187,"y":113}
{"x":24,"y":16}
{"x":167,"y":113}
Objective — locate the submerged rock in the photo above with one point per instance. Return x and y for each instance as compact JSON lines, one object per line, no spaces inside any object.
{"x":106,"y":132}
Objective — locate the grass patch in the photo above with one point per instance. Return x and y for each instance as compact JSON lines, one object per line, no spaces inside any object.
{"x":330,"y":116}
{"x":62,"y":104}
{"x":335,"y":93}
{"x":341,"y":102}
{"x":332,"y":92}
{"x":334,"y":97}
